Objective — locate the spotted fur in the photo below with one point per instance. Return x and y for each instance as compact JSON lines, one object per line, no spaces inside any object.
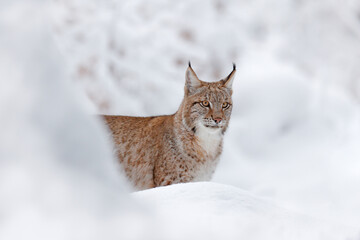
{"x":177,"y":148}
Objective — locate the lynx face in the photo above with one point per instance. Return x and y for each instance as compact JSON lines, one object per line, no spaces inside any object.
{"x":207,"y":104}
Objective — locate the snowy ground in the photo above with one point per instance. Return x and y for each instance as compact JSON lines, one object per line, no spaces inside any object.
{"x":290,"y":167}
{"x":215,"y":211}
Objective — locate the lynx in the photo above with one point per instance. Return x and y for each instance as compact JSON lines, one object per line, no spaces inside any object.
{"x":178,"y":148}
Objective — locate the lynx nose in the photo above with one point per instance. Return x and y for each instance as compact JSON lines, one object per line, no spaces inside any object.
{"x":217,"y":120}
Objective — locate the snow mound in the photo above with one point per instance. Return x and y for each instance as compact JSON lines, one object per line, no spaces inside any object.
{"x":58,"y":178}
{"x":206,"y":210}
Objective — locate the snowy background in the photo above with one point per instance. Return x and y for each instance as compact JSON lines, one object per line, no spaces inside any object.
{"x":290,"y":167}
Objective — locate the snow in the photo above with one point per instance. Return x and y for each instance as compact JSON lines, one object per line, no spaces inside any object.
{"x":289,"y":169}
{"x":295,"y":149}
{"x":207,"y":210}
{"x":58,"y":178}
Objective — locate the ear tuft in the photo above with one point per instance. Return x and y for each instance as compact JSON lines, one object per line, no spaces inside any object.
{"x":192,"y":81}
{"x":228,"y":81}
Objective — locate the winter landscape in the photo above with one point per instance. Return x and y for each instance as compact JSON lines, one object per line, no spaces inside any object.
{"x":290,"y":166}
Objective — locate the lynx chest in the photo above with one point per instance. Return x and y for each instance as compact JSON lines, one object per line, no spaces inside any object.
{"x":209,"y":139}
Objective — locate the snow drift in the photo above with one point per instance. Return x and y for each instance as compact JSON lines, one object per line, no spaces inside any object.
{"x":214,"y":211}
{"x":58,"y":178}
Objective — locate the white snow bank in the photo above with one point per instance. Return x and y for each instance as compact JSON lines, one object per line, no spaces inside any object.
{"x":58,"y":179}
{"x":208,"y":210}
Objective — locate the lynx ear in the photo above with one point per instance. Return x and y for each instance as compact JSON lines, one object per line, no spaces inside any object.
{"x":192,"y":81}
{"x":228,"y":81}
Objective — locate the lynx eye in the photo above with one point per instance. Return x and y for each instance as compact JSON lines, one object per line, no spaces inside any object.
{"x":225,"y":105}
{"x":205,"y":103}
